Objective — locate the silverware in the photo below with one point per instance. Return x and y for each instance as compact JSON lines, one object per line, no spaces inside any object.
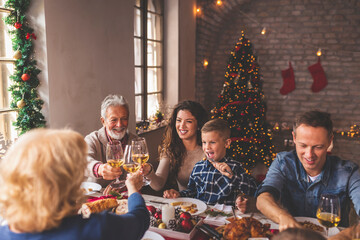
{"x":209,"y":231}
{"x":233,"y":211}
{"x":157,"y":202}
{"x":212,"y":160}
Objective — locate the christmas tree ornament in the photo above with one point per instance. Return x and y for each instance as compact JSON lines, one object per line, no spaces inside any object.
{"x":249,"y":85}
{"x":17,"y":25}
{"x":229,"y":115}
{"x":21,"y":103}
{"x":25,"y":77}
{"x":318,"y":75}
{"x":288,"y":80}
{"x":17,"y":55}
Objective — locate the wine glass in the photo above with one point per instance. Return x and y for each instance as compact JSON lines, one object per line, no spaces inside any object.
{"x":115,"y":158}
{"x":328,"y":212}
{"x":140,"y":153}
{"x":129,"y":166}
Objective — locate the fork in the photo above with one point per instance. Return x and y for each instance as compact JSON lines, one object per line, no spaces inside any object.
{"x":212,"y":160}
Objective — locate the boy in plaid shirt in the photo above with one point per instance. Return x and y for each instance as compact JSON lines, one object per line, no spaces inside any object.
{"x":217,"y":178}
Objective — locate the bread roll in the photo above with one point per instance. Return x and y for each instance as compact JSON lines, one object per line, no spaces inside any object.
{"x":98,"y":206}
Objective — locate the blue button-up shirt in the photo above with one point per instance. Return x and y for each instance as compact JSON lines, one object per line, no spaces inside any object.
{"x":209,"y":185}
{"x":288,"y":181}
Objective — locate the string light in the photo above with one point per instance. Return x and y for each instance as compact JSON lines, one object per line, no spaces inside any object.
{"x":319,"y":53}
{"x":198,"y":11}
{"x":263,"y":31}
{"x":219,"y":2}
{"x":205,"y":63}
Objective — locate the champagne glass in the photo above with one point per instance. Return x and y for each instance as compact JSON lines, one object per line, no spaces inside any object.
{"x":115,"y":158}
{"x":140,"y":153}
{"x":328,"y":212}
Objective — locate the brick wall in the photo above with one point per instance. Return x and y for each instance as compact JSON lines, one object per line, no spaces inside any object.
{"x":295,"y":30}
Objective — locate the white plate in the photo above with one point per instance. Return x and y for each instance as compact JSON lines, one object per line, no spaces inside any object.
{"x":149,"y":235}
{"x":332,"y":231}
{"x":90,"y":187}
{"x":200,"y":205}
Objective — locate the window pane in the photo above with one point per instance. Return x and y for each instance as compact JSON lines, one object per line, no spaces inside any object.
{"x":7,"y":130}
{"x":154,"y":83}
{"x":138,"y":80}
{"x":155,"y":6}
{"x":154,"y":54}
{"x":154,"y":25}
{"x":137,"y":3}
{"x":137,"y":51}
{"x":137,"y":23}
{"x":153,"y":104}
{"x":138,"y":109}
{"x":6,"y":69}
{"x":5,"y":38}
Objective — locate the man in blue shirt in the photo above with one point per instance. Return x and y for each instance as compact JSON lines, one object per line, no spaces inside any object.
{"x":296,"y":179}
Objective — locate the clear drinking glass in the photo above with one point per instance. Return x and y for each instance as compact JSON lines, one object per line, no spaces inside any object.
{"x":328,"y":212}
{"x":129,"y":166}
{"x":140,"y":153}
{"x":115,"y":158}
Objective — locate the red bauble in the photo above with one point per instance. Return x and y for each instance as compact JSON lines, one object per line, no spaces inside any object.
{"x":17,"y":25}
{"x":185,"y":216}
{"x":25,"y":77}
{"x":151,"y":209}
{"x":187,"y":225}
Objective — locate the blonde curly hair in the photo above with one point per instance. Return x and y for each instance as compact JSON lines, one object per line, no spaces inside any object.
{"x":40,"y":178}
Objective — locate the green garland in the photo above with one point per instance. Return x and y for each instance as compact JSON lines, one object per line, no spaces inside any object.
{"x":24,"y":81}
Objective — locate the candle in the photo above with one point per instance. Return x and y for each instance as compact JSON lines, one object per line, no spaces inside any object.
{"x":167,"y":212}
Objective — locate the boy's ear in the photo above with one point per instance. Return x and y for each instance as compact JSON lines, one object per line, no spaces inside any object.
{"x":227,"y":142}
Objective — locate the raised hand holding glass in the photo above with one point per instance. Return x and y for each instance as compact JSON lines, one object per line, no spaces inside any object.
{"x":115,"y":158}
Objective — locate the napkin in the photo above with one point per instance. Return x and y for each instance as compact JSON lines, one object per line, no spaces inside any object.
{"x":219,"y":219}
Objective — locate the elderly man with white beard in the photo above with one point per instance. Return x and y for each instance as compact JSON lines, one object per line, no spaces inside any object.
{"x":114,"y":118}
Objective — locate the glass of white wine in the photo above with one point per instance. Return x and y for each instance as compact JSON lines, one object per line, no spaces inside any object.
{"x":328,"y":212}
{"x":115,"y":158}
{"x":129,"y":166}
{"x":140,"y":153}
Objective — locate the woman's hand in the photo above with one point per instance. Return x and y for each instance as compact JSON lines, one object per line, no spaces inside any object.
{"x":171,"y":193}
{"x":108,"y":172}
{"x":146,"y":169}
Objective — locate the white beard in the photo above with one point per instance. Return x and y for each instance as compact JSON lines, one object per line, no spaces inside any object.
{"x":117,"y":136}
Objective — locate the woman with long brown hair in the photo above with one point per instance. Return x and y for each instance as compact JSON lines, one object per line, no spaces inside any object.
{"x":180,"y":148}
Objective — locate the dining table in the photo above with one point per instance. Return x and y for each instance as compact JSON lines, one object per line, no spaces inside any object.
{"x":213,"y":221}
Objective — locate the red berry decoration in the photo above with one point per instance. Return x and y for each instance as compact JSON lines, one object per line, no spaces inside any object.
{"x":25,"y":77}
{"x":17,"y":25}
{"x":185,"y":216}
{"x":151,"y":209}
{"x":157,"y":215}
{"x":187,"y":225}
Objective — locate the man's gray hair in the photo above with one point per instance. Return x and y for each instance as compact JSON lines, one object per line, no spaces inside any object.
{"x":113,"y":100}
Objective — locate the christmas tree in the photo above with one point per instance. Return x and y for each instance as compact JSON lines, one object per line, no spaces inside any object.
{"x":241,"y":103}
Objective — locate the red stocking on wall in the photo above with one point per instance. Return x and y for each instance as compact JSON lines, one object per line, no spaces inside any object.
{"x":288,"y":79}
{"x":318,"y":75}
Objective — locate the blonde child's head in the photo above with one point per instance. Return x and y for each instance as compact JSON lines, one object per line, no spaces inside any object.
{"x":215,"y":138}
{"x":40,"y":179}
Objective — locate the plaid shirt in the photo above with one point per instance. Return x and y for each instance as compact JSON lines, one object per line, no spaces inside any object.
{"x":209,"y":185}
